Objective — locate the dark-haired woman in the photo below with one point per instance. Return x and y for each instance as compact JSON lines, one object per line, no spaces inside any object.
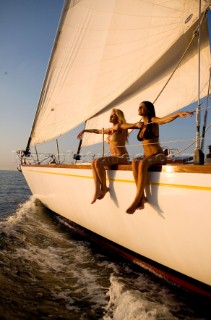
{"x":153,"y":153}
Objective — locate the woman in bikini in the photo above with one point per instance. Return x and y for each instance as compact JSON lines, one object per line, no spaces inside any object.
{"x":117,"y":138}
{"x":153,"y":153}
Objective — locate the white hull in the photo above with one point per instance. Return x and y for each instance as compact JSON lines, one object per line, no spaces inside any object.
{"x":173,"y":229}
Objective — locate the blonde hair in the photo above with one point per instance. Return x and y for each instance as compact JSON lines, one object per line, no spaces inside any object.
{"x":121,"y":117}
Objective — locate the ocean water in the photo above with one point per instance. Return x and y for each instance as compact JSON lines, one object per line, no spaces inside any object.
{"x":48,"y":271}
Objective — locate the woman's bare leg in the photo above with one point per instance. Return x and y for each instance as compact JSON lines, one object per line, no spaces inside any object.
{"x":135,"y":168}
{"x":141,"y":183}
{"x":142,"y":202}
{"x":101,"y":172}
{"x":135,"y":164}
{"x":96,"y":182}
{"x":144,"y":164}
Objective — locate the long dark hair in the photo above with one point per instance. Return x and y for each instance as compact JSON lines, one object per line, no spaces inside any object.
{"x":151,"y":109}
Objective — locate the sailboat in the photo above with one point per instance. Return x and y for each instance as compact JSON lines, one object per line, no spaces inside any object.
{"x":115,"y":54}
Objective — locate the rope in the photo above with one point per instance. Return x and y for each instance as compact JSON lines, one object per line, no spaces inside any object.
{"x":177,"y":66}
{"x":193,"y":36}
{"x":196,"y":33}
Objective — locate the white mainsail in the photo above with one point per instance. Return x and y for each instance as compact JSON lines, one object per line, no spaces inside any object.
{"x":116,"y":53}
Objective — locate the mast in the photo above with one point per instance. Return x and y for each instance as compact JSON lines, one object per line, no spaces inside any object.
{"x":198,"y":154}
{"x":205,"y":115}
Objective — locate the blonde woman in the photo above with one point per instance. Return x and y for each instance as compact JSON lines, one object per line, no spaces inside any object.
{"x":117,"y":138}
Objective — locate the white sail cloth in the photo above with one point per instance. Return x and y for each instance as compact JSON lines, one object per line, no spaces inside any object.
{"x":116,"y":53}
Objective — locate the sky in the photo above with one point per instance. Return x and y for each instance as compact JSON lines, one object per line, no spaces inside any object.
{"x":27,"y":32}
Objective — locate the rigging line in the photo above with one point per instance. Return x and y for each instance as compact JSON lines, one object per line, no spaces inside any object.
{"x":205,"y":108}
{"x":190,"y":145}
{"x":184,"y":149}
{"x":195,"y":33}
{"x":201,"y":109}
{"x":193,"y":36}
{"x":166,"y":142}
{"x":162,"y":142}
{"x":170,"y":141}
{"x":177,"y":66}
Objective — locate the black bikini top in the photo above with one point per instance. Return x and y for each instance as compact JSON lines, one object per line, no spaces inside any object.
{"x":149,"y":132}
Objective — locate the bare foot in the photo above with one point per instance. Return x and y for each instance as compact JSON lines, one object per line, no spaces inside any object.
{"x":98,"y":195}
{"x":131,"y":209}
{"x":142,"y":203}
{"x":137,"y":204}
{"x":103,"y":193}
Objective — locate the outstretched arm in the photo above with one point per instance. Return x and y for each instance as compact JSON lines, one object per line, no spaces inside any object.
{"x":172,"y":117}
{"x":97,"y":131}
{"x":130,"y":125}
